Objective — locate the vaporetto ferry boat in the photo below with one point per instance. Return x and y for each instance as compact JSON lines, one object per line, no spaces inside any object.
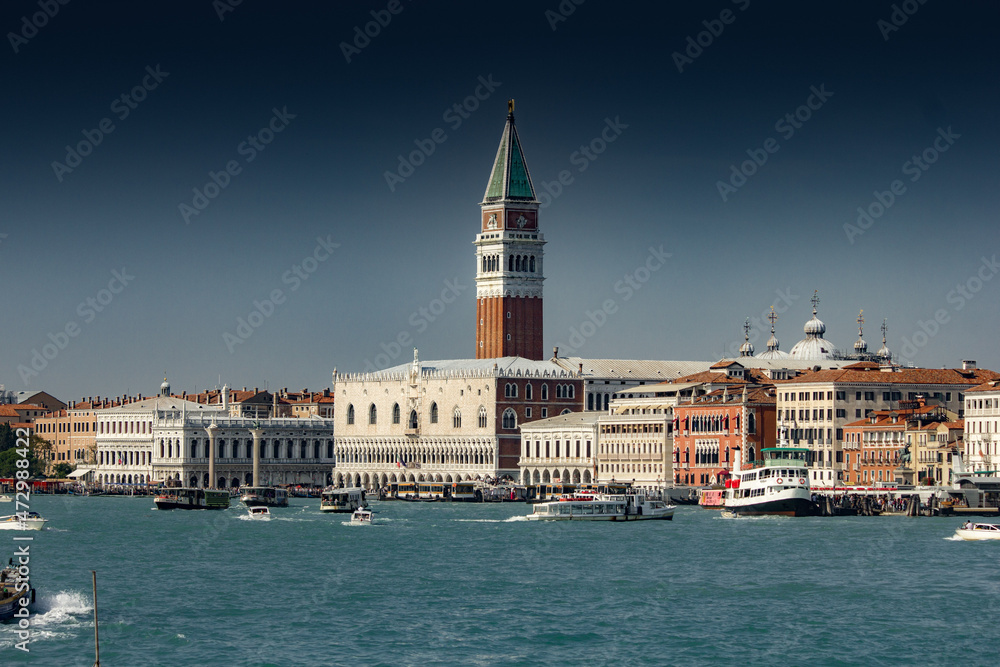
{"x":633,"y":506}
{"x":264,"y":496}
{"x":189,"y":498}
{"x":343,"y":501}
{"x":777,"y":485}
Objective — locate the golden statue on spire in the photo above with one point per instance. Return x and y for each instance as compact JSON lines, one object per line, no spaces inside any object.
{"x":510,"y":106}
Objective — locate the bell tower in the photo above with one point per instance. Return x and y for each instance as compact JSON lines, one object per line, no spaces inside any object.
{"x":509,"y":257}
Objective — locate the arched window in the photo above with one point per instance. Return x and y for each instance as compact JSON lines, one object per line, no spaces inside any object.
{"x":291,"y":450}
{"x":372,"y":414}
{"x":751,"y":423}
{"x":413,"y":419}
{"x":509,"y":418}
{"x":510,"y":263}
{"x":570,"y":391}
{"x":590,"y":401}
{"x":434,"y":413}
{"x":527,"y":391}
{"x":565,"y":412}
{"x":545,"y":392}
{"x":350,"y":414}
{"x":510,"y":390}
{"x":482,"y":417}
{"x":531,"y":264}
{"x":456,"y":418}
{"x":395,"y":413}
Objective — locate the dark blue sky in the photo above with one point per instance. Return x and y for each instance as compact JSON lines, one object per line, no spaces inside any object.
{"x":343,"y":125}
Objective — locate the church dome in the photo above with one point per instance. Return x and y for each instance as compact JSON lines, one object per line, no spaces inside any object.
{"x":860,"y":346}
{"x":772,"y":350}
{"x":746,"y":349}
{"x":814,"y":326}
{"x":814,"y":346}
{"x":772,"y":343}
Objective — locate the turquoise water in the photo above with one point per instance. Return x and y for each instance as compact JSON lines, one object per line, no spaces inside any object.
{"x":465,"y":584}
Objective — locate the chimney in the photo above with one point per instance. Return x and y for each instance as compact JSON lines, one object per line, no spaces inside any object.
{"x":581,"y":368}
{"x":968,"y":364}
{"x":555,"y":352}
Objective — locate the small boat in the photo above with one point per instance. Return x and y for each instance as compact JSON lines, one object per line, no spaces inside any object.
{"x":259,"y":512}
{"x":362,"y":516}
{"x":978,"y":531}
{"x":726,"y":514}
{"x":15,"y":593}
{"x":22,"y":521}
{"x":5,"y":498}
{"x":586,"y":506}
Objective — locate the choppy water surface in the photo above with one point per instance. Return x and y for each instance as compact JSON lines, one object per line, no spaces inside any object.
{"x":464,"y":584}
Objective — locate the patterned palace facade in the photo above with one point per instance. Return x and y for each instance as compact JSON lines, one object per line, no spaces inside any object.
{"x":444,"y":420}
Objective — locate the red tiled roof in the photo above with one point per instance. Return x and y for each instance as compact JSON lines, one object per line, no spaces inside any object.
{"x":944,"y":376}
{"x":992,"y":385}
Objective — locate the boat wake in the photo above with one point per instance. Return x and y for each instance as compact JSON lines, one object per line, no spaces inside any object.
{"x":247,"y":517}
{"x":54,"y":617}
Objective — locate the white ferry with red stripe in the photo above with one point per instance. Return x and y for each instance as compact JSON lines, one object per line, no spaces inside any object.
{"x":777,"y":485}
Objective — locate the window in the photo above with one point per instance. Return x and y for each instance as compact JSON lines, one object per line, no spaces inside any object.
{"x":545,"y":394}
{"x":456,"y":418}
{"x":545,"y":413}
{"x":482,"y":417}
{"x":395,"y":413}
{"x":350,"y":414}
{"x":841,"y":412}
{"x":527,"y":413}
{"x":857,"y":395}
{"x":886,"y":396}
{"x":509,"y":418}
{"x":413,"y":419}
{"x":434,"y":413}
{"x":372,"y":414}
{"x":510,"y":390}
{"x":527,"y":391}
{"x":857,"y":413}
{"x":841,"y":395}
{"x":869,"y":395}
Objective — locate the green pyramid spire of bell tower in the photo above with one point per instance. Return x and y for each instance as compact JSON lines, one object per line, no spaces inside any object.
{"x":509,"y":180}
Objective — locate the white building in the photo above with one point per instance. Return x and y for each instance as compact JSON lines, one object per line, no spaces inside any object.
{"x":982,"y":428}
{"x":167,"y":438}
{"x":560,"y":449}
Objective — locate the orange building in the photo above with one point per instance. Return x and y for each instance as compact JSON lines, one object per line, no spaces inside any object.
{"x":708,"y":430}
{"x":881,"y":450}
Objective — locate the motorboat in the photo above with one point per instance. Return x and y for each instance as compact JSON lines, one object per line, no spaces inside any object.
{"x":15,"y":593}
{"x":362,"y":516}
{"x":4,"y":498}
{"x":259,"y":512}
{"x":588,"y":506}
{"x":22,"y":521}
{"x":978,"y":531}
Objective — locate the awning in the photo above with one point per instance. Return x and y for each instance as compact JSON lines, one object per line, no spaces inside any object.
{"x":80,"y":472}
